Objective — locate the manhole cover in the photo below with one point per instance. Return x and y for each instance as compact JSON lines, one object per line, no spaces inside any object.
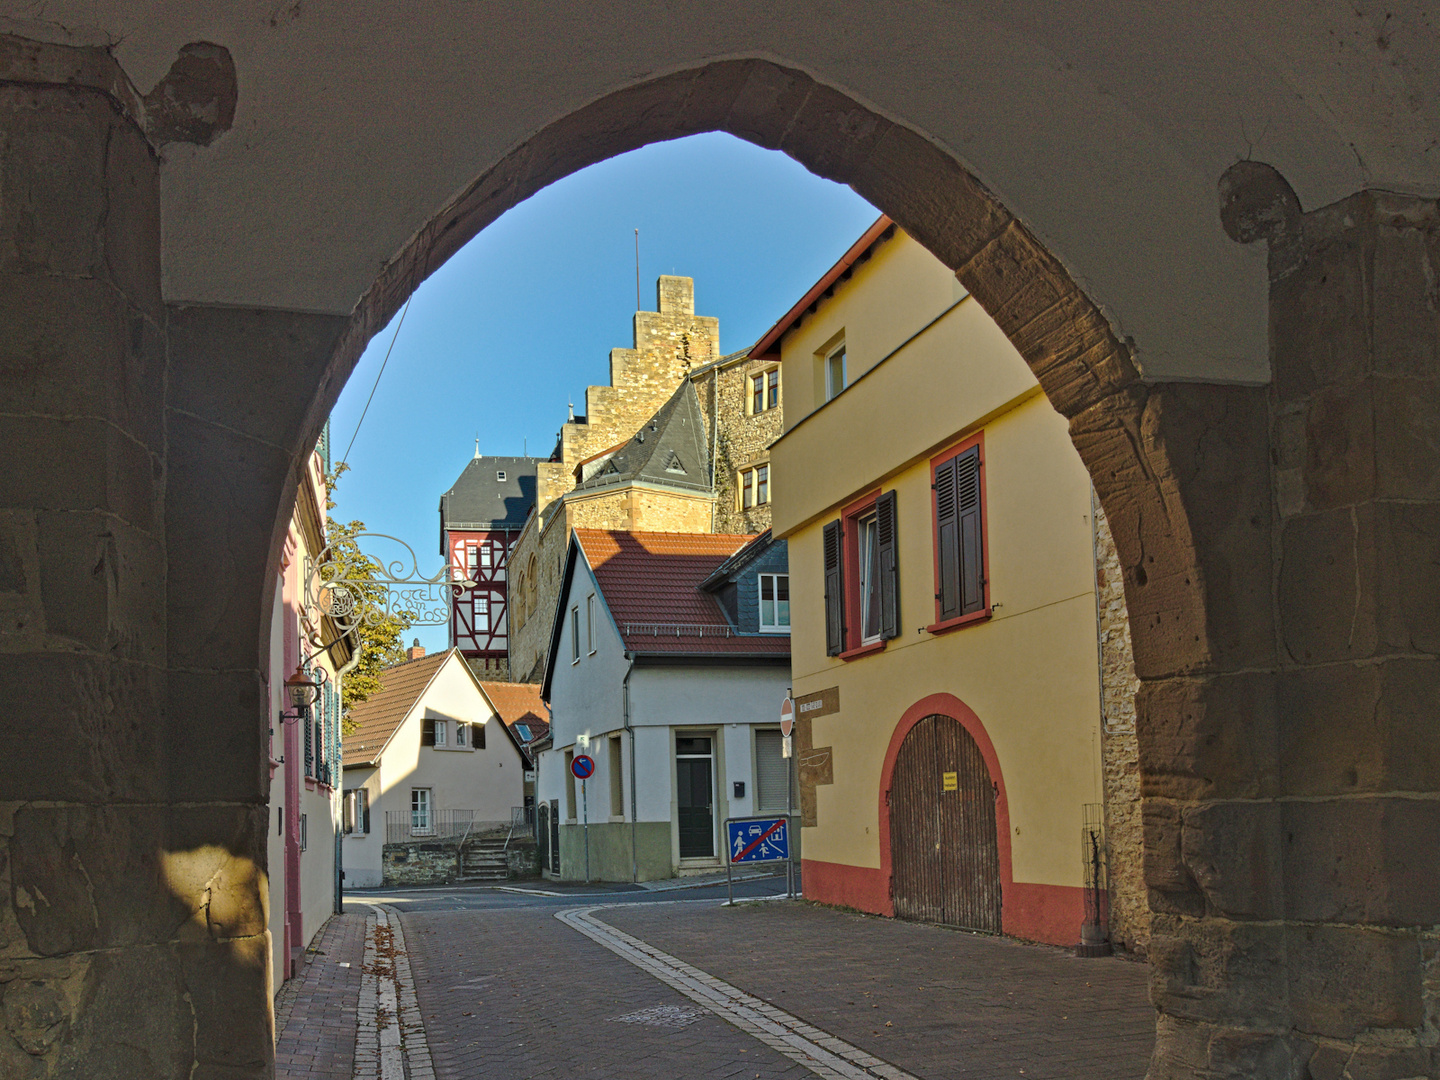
{"x":661,"y":1016}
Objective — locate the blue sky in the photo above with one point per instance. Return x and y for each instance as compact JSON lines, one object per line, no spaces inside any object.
{"x":502,"y":337}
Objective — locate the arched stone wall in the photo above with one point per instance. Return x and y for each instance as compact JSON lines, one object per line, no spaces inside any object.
{"x":1274,"y":955}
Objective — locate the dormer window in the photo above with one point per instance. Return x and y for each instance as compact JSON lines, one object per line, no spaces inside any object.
{"x":673,"y":465}
{"x":500,"y":476}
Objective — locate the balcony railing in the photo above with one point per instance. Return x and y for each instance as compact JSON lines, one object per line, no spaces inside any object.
{"x":402,"y":826}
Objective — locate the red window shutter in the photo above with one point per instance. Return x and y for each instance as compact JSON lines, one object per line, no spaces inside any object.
{"x":834,"y":591}
{"x":888,"y":568}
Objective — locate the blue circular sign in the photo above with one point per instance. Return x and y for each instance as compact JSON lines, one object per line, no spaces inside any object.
{"x":583,"y":767}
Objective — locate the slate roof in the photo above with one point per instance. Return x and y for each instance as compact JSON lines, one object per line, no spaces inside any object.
{"x":732,"y":566}
{"x":520,"y":703}
{"x":651,"y":584}
{"x":671,"y":448}
{"x":400,"y":687}
{"x":477,"y":500}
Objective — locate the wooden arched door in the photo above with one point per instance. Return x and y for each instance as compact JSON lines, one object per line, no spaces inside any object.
{"x":944,"y":853}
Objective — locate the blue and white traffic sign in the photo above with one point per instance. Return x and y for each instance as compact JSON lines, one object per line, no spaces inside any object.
{"x":583,"y":767}
{"x":759,"y":839}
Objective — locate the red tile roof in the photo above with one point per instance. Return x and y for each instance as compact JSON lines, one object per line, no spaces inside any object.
{"x":519,"y":703}
{"x":651,"y":585}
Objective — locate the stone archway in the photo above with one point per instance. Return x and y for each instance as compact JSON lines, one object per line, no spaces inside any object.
{"x":1290,"y":893}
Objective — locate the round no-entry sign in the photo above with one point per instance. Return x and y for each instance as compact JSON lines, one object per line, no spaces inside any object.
{"x":583,"y":767}
{"x":787,"y":717}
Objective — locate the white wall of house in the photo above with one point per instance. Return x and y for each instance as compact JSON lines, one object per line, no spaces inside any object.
{"x":362,"y":852}
{"x":488,"y":781}
{"x":586,"y":695}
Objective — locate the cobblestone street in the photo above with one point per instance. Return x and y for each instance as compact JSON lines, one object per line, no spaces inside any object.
{"x":682,"y":988}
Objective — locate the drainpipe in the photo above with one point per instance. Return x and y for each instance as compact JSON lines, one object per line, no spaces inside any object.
{"x":625,"y":695}
{"x":348,"y":667}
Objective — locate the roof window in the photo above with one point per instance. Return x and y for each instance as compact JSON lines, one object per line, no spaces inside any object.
{"x":500,"y":476}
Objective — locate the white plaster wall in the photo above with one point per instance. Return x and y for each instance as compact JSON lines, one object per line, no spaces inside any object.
{"x":317,"y":861}
{"x":488,"y":781}
{"x":362,"y":853}
{"x":586,"y":698}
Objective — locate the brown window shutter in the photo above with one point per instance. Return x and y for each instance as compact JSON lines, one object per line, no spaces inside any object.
{"x":427,"y":732}
{"x":947,"y":539}
{"x":889,"y":569}
{"x":834,"y":591}
{"x":972,"y":532}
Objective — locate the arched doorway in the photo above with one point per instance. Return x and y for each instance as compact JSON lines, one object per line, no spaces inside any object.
{"x":945,"y":857}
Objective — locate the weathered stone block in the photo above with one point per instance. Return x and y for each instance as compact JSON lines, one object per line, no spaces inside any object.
{"x":79,"y":464}
{"x":214,"y":863}
{"x":1405,"y":334}
{"x":1327,"y":585}
{"x":1371,"y":861}
{"x":1233,"y":852}
{"x":77,"y":348}
{"x":223,"y":981}
{"x":1359,"y":728}
{"x":88,"y":877}
{"x":217,"y":736}
{"x":1343,"y":980}
{"x":102,"y":584}
{"x":221,"y":515}
{"x":252,"y":371}
{"x":1208,"y":737}
{"x":1340,"y":441}
{"x":1407,"y":428}
{"x":1171,"y":885}
{"x":1218,"y":972}
{"x":52,"y":182}
{"x":1319,"y":318}
{"x":82,"y":728}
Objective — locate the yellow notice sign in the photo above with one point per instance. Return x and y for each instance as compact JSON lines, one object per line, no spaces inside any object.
{"x":950,"y":780}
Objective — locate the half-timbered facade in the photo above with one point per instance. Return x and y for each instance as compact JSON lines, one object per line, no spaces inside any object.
{"x":480,"y":519}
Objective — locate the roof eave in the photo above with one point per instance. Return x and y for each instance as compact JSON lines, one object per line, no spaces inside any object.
{"x":768,"y":347}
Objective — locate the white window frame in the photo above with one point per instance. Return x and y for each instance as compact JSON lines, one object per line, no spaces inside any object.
{"x":486,"y":558}
{"x":575,"y":634}
{"x":480,"y":613}
{"x":831,"y":390}
{"x":776,"y":627}
{"x":500,"y":476}
{"x":357,"y":802}
{"x":472,"y":557}
{"x":460,"y":740}
{"x":866,"y":524}
{"x":422,"y":808}
{"x":442,"y":737}
{"x":590,"y":623}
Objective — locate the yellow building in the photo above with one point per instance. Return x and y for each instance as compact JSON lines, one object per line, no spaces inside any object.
{"x":948,"y":648}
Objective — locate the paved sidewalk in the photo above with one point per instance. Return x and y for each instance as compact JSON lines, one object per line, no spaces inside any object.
{"x":937,"y":1003}
{"x":315,"y":1012}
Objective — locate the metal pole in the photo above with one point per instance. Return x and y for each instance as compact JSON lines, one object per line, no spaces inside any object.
{"x":585,"y":805}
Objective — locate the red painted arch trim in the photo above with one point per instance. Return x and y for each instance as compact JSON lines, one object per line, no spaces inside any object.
{"x":951,"y":706}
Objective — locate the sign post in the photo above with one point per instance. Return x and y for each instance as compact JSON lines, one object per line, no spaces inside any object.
{"x":753,"y":840}
{"x":787,"y":751}
{"x":582,"y":768}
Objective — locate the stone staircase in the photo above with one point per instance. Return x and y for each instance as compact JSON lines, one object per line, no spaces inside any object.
{"x":484,"y":860}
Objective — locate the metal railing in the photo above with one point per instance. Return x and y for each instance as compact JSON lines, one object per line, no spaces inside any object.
{"x":402,"y":826}
{"x":679,"y":630}
{"x":521,"y":818}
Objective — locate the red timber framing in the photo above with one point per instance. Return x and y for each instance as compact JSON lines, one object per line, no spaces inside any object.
{"x":479,"y":616}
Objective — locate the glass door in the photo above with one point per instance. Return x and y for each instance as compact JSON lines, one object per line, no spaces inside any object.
{"x":695,"y":780}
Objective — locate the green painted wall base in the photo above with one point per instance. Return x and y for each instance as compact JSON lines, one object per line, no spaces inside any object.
{"x":610,"y":851}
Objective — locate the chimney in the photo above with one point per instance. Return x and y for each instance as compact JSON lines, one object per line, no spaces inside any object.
{"x":416,"y":651}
